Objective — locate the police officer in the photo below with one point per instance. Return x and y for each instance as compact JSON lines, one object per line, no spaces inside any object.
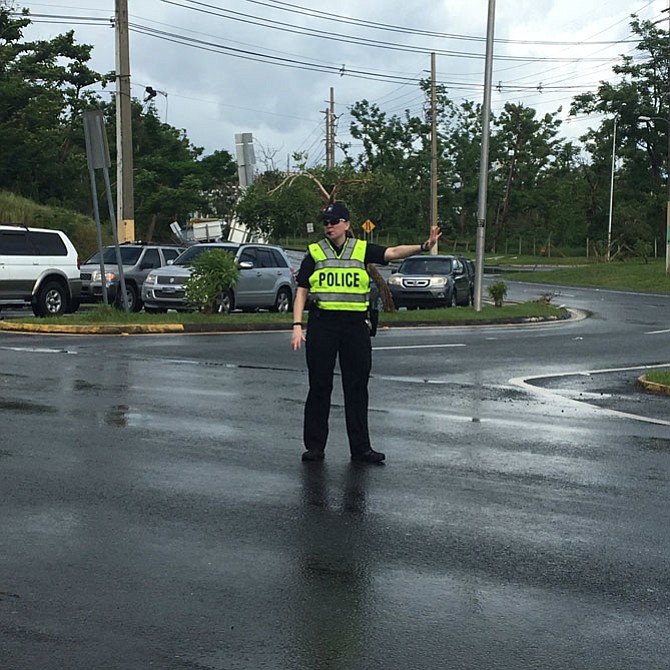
{"x":333,"y":274}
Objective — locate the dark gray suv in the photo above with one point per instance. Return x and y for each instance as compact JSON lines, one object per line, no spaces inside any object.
{"x":266,"y":280}
{"x":137,"y":260}
{"x":430,"y":281}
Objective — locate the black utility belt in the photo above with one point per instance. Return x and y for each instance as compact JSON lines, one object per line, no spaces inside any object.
{"x":318,"y":313}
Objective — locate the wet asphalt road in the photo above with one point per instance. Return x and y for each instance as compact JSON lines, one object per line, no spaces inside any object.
{"x":156,"y":513}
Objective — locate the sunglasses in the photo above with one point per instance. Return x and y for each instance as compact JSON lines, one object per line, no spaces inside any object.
{"x":333,"y":223}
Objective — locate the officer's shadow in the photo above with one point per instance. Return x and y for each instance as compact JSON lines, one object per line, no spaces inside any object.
{"x":335,"y":555}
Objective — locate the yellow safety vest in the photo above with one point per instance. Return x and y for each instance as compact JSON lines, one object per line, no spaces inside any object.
{"x":340,"y":282}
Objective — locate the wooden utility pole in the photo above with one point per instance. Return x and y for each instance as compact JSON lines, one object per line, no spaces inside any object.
{"x":124,"y":131}
{"x":433,"y":150}
{"x":332,"y":127}
{"x":330,"y":131}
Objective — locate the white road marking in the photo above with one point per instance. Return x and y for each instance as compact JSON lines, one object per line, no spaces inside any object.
{"x":418,"y":346}
{"x":657,"y":332}
{"x":548,"y":393}
{"x":39,"y":350}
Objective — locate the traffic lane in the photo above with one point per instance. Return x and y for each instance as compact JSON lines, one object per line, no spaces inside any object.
{"x":620,"y":306}
{"x":163,"y":502}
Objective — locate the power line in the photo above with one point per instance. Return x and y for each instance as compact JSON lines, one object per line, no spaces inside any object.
{"x":212,"y":10}
{"x":338,"y":18}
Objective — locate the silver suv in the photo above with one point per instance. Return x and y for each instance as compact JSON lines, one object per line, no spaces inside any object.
{"x":38,"y":267}
{"x":137,"y":259}
{"x":266,"y":280}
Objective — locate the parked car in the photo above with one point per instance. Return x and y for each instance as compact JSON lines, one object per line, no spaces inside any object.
{"x":469,"y":267}
{"x":430,"y":281}
{"x":38,"y":267}
{"x":266,"y":280}
{"x":137,"y":259}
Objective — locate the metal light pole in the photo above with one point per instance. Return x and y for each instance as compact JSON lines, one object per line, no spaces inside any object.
{"x":433,"y":149}
{"x":484,"y":158}
{"x":609,"y":226}
{"x":648,"y":119}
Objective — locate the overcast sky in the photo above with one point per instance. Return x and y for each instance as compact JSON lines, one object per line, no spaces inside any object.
{"x":232,"y":66}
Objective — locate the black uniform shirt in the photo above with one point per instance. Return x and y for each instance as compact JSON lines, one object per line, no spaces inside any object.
{"x":374,"y":253}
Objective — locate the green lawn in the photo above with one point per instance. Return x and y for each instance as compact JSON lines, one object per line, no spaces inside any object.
{"x":629,"y":275}
{"x":110,"y":316}
{"x":659,"y":377}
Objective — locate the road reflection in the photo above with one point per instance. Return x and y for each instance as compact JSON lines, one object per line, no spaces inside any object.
{"x":333,"y":595}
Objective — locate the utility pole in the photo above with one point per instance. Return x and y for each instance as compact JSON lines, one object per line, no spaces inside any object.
{"x":667,"y":164}
{"x":433,"y":150}
{"x":124,"y":130}
{"x":330,"y":131}
{"x":332,"y":127}
{"x":484,"y":157}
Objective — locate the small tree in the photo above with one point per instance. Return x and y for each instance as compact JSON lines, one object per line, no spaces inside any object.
{"x":213,"y":273}
{"x":497,"y":291}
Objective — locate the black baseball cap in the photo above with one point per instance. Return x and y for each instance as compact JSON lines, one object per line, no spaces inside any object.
{"x":336,"y":211}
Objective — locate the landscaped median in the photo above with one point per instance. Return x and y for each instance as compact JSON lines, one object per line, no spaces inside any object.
{"x":110,"y":321}
{"x":655,"y":382}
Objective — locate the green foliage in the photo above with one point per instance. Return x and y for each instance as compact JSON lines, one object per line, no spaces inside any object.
{"x":43,"y":92}
{"x":212,"y":273}
{"x":79,"y":228}
{"x":631,"y":275}
{"x":497,"y":292}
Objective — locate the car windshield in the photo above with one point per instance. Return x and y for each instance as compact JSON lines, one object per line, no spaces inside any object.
{"x":426,"y":266}
{"x":129,"y":256}
{"x":193,"y":252}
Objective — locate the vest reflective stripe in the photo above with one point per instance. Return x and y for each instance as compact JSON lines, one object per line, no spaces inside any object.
{"x":340,"y":283}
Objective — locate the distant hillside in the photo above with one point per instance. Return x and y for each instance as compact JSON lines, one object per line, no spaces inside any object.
{"x":79,"y":228}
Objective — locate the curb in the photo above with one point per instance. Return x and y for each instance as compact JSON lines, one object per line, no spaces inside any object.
{"x":652,"y":387}
{"x":62,"y":329}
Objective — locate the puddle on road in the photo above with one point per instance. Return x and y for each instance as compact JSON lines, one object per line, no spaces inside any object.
{"x":117,"y":416}
{"x":25,"y":407}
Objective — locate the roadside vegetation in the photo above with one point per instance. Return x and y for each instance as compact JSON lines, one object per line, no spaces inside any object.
{"x":108,"y":315}
{"x":658,"y":377}
{"x":632,"y":274}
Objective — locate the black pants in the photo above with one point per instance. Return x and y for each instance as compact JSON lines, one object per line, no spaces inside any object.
{"x":330,"y":335}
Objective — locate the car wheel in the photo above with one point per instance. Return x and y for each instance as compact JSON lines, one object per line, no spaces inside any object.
{"x":51,"y":300}
{"x":283,"y":301}
{"x":73,"y":305}
{"x":134,"y":302}
{"x":224,"y":303}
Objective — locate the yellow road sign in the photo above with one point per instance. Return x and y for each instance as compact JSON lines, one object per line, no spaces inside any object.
{"x":368,"y":226}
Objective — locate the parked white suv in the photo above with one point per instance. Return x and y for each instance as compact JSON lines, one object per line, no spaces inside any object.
{"x":38,"y":267}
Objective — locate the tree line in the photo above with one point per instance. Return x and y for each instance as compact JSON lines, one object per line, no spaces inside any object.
{"x":544,"y":191}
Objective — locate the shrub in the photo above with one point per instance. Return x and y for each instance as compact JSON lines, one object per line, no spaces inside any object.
{"x":213,"y":272}
{"x":497,"y":292}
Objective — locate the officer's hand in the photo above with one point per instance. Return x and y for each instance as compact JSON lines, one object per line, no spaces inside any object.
{"x":297,"y":338}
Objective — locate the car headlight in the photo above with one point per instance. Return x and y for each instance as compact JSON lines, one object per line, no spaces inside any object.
{"x":438,"y":281}
{"x":109,"y":276}
{"x":395,"y":280}
{"x":150,"y":280}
